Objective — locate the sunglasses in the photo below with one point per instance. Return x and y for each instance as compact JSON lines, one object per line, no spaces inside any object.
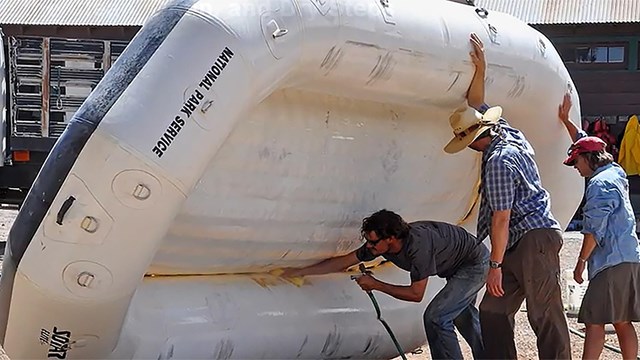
{"x":373,"y":242}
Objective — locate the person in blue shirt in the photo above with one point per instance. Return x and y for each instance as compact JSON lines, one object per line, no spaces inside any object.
{"x":610,"y":247}
{"x":515,"y":213}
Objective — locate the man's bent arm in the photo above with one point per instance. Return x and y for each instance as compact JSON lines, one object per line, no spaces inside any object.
{"x":499,"y":234}
{"x":475,"y":93}
{"x":572,"y":129}
{"x":331,"y":265}
{"x":413,"y":292}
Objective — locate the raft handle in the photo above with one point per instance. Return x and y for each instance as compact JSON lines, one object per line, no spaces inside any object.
{"x":64,"y":208}
{"x":482,"y":12}
{"x":278,"y":31}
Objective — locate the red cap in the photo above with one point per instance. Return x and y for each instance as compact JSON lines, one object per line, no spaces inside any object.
{"x":584,"y":145}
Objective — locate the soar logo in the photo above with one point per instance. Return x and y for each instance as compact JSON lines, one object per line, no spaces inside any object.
{"x":58,"y":341}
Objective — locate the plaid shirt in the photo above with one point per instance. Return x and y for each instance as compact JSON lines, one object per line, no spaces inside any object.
{"x":510,"y":180}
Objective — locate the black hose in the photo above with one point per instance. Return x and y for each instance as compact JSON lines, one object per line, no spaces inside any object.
{"x":386,"y":326}
{"x":363,"y":270}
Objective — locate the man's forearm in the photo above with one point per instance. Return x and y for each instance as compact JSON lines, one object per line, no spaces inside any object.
{"x":499,"y":237}
{"x":475,"y":94}
{"x":588,"y":244}
{"x":331,"y":265}
{"x":572,"y":129}
{"x":400,"y":292}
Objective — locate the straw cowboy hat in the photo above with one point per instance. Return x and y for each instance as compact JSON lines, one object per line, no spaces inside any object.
{"x":467,"y":124}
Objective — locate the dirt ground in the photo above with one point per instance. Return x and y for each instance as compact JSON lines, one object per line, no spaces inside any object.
{"x":524,"y":336}
{"x":6,"y":219}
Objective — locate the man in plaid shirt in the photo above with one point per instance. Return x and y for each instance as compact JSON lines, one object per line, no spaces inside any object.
{"x":515,"y":213}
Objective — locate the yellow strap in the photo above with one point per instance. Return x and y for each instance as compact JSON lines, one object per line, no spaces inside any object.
{"x":476,"y":194}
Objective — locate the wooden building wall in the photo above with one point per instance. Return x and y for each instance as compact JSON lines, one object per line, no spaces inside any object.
{"x":605,"y":93}
{"x":606,"y":89}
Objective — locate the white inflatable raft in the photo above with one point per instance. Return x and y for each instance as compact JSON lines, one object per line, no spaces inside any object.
{"x":235,"y":137}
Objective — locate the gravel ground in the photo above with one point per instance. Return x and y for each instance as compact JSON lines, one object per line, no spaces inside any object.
{"x":524,"y":336}
{"x":6,"y":219}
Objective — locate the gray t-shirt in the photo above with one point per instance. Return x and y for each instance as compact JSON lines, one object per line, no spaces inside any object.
{"x":433,"y":248}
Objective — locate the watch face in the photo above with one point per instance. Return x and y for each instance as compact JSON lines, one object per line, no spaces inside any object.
{"x":494,"y":264}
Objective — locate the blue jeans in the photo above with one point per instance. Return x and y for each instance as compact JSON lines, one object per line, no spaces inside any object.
{"x":455,"y":305}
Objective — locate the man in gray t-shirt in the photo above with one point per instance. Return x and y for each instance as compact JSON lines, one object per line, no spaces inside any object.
{"x":423,"y":248}
{"x":431,"y":248}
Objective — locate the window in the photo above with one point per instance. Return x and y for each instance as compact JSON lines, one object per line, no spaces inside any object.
{"x":616,"y":54}
{"x":599,"y":54}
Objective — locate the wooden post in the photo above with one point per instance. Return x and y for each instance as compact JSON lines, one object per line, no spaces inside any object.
{"x":106,"y":58}
{"x":46,"y":72}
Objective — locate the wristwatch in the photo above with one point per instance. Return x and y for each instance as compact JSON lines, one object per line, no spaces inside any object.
{"x":494,"y":264}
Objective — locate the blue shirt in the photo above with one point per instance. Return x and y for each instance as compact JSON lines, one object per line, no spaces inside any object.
{"x":608,"y":216}
{"x":510,"y":180}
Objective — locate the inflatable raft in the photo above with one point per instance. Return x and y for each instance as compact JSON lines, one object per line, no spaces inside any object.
{"x":232,"y":138}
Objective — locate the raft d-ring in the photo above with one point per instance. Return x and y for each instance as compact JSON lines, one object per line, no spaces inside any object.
{"x":492,"y":29}
{"x":278,"y":32}
{"x":85,"y":279}
{"x":89,"y":224}
{"x":482,"y":12}
{"x":141,"y":192}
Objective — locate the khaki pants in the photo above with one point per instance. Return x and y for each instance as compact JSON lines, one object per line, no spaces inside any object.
{"x":531,"y":271}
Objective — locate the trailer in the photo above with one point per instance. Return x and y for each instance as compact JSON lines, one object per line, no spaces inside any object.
{"x":44,"y":81}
